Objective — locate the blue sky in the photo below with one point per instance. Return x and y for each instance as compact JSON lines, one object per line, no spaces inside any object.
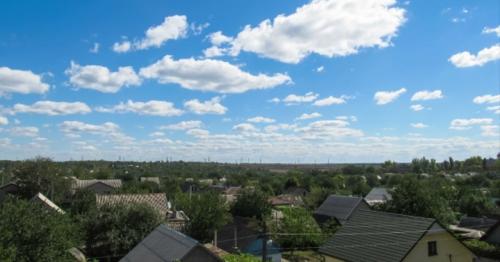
{"x":270,"y":81}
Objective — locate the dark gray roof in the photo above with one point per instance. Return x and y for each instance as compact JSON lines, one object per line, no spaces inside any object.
{"x":162,"y":245}
{"x":339,"y":207}
{"x":377,"y":236}
{"x":378,"y":195}
{"x":477,"y":223}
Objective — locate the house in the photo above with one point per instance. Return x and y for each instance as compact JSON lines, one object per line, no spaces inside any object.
{"x":40,"y":198}
{"x":378,"y":195}
{"x":8,"y":189}
{"x":285,"y":200}
{"x":154,"y":179}
{"x":231,"y":194}
{"x":98,"y":186}
{"x":339,"y":208}
{"x":296,"y":191}
{"x":477,"y":223}
{"x":382,"y":236}
{"x":244,"y":235}
{"x":177,"y":219}
{"x":157,"y":201}
{"x":167,"y":245}
{"x":492,"y":236}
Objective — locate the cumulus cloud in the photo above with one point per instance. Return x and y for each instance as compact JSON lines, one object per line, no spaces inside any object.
{"x":28,"y":131}
{"x":495,"y":109}
{"x":419,"y":125}
{"x":4,"y":121}
{"x":327,"y":129}
{"x":153,"y":107}
{"x":427,"y":95}
{"x":331,"y":100}
{"x":261,"y":119}
{"x":462,"y":124}
{"x":417,"y":107}
{"x":157,"y":134}
{"x":324,"y":27}
{"x":490,"y":130}
{"x":297,"y":99}
{"x":100,"y":78}
{"x":487,"y":99}
{"x":308,"y":116}
{"x":218,"y":38}
{"x":172,"y":28}
{"x":320,"y":69}
{"x":212,"y":106}
{"x":52,"y":108}
{"x":184,"y":125}
{"x":385,"y":97}
{"x":109,"y":130}
{"x":197,"y":132}
{"x":245,"y":127}
{"x":21,"y":81}
{"x":489,"y":30}
{"x":210,"y":75}
{"x":466,"y":59}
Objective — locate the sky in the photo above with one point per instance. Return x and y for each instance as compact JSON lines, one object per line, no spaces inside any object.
{"x":249,"y":81}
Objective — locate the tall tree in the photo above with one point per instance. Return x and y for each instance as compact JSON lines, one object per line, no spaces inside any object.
{"x":251,"y":203}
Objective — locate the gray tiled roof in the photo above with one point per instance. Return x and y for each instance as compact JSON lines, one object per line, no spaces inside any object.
{"x":376,"y":236}
{"x":378,"y":195}
{"x":161,"y":245}
{"x":339,"y":207}
{"x":151,"y":179}
{"x":79,"y":184}
{"x":157,"y":201}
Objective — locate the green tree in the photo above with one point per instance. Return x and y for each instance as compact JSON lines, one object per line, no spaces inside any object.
{"x":473,"y":202}
{"x":113,"y":230}
{"x":251,"y":203}
{"x":297,"y":230}
{"x":207,"y":212}
{"x":317,"y":195}
{"x":31,"y":232}
{"x":240,"y":258}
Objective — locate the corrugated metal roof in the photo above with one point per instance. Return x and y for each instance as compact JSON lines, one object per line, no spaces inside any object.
{"x":378,"y":195}
{"x":157,"y":201}
{"x":376,"y":236}
{"x":46,"y":202}
{"x":80,"y":184}
{"x":151,"y":179}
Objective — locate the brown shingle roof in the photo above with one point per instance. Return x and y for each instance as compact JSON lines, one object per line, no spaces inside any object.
{"x":157,"y":201}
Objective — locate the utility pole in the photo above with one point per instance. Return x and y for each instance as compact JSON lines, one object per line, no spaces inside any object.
{"x":264,"y":243}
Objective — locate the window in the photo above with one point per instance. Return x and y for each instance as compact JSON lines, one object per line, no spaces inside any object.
{"x":432,"y":248}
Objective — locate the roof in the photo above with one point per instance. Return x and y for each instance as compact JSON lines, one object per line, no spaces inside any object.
{"x":378,"y":195}
{"x":79,"y":184}
{"x":154,"y":179}
{"x":490,"y":231}
{"x":232,"y":190}
{"x":217,"y":251}
{"x":298,"y":191}
{"x":286,"y":199}
{"x":46,"y":202}
{"x":478,"y":223}
{"x":379,"y":236}
{"x":157,"y":201}
{"x":247,"y":231}
{"x":162,"y":245}
{"x":339,"y":207}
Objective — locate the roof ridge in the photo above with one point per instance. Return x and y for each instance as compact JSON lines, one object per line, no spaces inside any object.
{"x":396,"y":214}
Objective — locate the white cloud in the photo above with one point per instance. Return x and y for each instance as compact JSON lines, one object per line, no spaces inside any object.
{"x":77,"y":126}
{"x":245,"y":127}
{"x":218,"y":38}
{"x":261,"y":119}
{"x":122,"y":47}
{"x":308,"y":116}
{"x":466,"y":59}
{"x":296,"y":99}
{"x":173,"y":27}
{"x":21,"y":81}
{"x":462,"y":124}
{"x":487,"y":99}
{"x":157,"y":134}
{"x":331,"y":100}
{"x":327,"y":129}
{"x":417,"y":107}
{"x":210,"y":75}
{"x":427,"y":95}
{"x":197,"y":29}
{"x":325,"y":27}
{"x":320,"y":69}
{"x":488,"y":30}
{"x":419,"y":125}
{"x":95,"y":48}
{"x":490,"y":130}
{"x":274,"y":100}
{"x":385,"y":97}
{"x":100,"y":78}
{"x":212,"y":106}
{"x":495,"y":109}
{"x":29,"y":131}
{"x":213,"y":51}
{"x":184,"y":125}
{"x":199,"y":133}
{"x":153,"y":107}
{"x":52,"y":108}
{"x":4,"y":121}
